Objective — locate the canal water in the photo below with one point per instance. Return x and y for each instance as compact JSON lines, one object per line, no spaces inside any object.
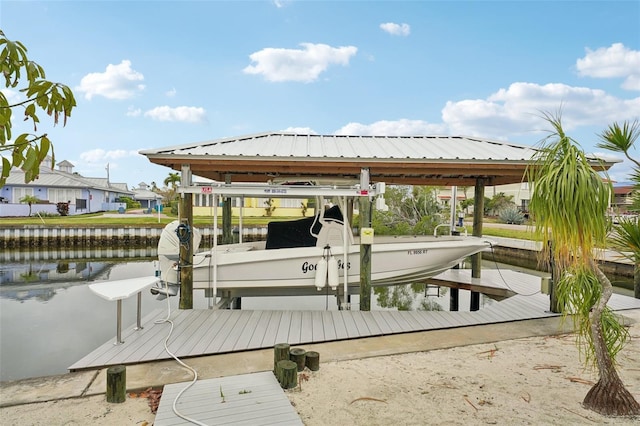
{"x":49,"y":318}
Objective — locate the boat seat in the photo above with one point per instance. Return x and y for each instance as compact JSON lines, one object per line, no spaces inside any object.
{"x":331,"y":234}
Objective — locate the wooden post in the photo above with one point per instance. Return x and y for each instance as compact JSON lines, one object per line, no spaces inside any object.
{"x":186,"y":250}
{"x":298,"y":355}
{"x":554,"y":306}
{"x":312,"y":361}
{"x":454,"y":299}
{"x":365,"y":255}
{"x":636,"y":280}
{"x":116,"y":384}
{"x":287,"y":374}
{"x":186,"y":255}
{"x":227,"y":235}
{"x":476,"y":259}
{"x":475,"y":301}
{"x":280,"y":352}
{"x":478,"y":214}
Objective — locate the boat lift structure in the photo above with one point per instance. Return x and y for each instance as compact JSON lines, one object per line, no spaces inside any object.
{"x":364,"y":190}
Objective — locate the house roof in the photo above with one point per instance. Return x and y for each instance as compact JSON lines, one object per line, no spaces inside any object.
{"x":622,"y":190}
{"x":54,"y":178}
{"x":145,"y":194}
{"x":419,"y":160}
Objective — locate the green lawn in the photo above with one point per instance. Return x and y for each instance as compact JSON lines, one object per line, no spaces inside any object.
{"x":97,"y":219}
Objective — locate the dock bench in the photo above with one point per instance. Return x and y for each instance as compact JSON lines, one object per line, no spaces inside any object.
{"x":123,"y":289}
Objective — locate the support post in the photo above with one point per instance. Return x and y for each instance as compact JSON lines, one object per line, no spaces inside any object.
{"x":299,"y":356}
{"x":280,"y":352}
{"x":139,"y":312}
{"x":186,"y":250}
{"x":287,"y":374}
{"x":636,"y":280}
{"x":116,"y":384}
{"x":475,"y":301}
{"x":227,"y":235}
{"x":478,"y":214}
{"x":365,"y":249}
{"x":454,"y":299}
{"x":312,"y":361}
{"x":476,"y":259}
{"x":119,"y":322}
{"x":554,"y":306}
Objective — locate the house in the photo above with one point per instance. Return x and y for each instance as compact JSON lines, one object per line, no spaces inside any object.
{"x":519,"y":191}
{"x":60,"y":185}
{"x":622,"y":199}
{"x":147,"y":198}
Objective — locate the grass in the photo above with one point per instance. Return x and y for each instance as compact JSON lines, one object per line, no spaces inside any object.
{"x":509,"y":233}
{"x":98,"y":219}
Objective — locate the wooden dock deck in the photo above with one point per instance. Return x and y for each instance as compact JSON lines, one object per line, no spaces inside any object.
{"x":249,"y":399}
{"x":209,"y":331}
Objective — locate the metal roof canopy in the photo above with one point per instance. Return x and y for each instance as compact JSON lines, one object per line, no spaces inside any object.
{"x":402,"y":160}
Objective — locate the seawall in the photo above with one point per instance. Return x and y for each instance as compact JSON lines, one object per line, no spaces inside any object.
{"x":42,"y":237}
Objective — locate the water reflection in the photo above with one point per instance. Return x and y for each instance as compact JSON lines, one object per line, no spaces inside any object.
{"x":422,"y":297}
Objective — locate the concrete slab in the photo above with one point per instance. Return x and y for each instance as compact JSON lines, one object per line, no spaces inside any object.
{"x":42,"y":389}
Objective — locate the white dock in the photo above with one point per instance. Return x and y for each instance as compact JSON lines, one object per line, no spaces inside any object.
{"x":248,"y":399}
{"x":209,"y":331}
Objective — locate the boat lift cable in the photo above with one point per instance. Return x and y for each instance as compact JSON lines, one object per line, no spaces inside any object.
{"x":193,"y":371}
{"x":502,"y":277}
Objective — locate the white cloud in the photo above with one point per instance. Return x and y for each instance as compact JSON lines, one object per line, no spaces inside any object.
{"x":517,"y":110}
{"x":396,"y":29}
{"x":182,"y":113}
{"x":13,"y":96}
{"x":392,"y":128}
{"x":117,"y":82}
{"x":134,"y":112}
{"x":99,"y":155}
{"x":305,"y":65}
{"x":615,"y":61}
{"x":171,"y":93}
{"x":300,"y":130}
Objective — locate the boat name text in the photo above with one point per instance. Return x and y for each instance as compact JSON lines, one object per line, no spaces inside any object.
{"x":308,"y":267}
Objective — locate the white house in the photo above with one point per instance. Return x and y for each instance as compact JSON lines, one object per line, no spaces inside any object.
{"x":61,"y":185}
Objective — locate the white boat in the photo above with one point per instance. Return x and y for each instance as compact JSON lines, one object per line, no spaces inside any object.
{"x":314,"y":253}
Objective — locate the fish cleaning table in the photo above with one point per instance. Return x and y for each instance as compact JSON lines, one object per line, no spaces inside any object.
{"x":123,"y":289}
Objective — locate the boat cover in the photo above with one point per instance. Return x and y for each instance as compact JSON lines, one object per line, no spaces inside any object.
{"x":298,"y":233}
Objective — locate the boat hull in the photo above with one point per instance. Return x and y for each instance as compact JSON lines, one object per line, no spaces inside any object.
{"x":394,"y":260}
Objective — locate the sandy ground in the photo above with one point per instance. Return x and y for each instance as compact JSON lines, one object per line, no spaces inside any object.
{"x":531,"y":381}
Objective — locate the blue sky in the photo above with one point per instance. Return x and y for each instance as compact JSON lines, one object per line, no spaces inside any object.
{"x":150,"y":74}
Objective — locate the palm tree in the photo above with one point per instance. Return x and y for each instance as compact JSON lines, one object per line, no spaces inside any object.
{"x":569,"y":205}
{"x":172,"y":180}
{"x":626,"y":235}
{"x":29,"y":199}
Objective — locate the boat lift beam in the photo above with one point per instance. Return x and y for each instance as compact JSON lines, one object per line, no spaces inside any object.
{"x":283,"y":191}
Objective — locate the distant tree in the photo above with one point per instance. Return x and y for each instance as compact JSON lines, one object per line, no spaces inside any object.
{"x":412,"y":210}
{"x":28,"y":150}
{"x":621,"y":139}
{"x":626,"y":233}
{"x":569,"y":205}
{"x":493,"y":206}
{"x":29,"y":199}
{"x":172,"y":180}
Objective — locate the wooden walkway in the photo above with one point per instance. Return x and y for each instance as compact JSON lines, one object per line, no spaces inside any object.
{"x":209,"y":332}
{"x":249,"y":399}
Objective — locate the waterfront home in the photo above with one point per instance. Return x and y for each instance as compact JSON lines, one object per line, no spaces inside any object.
{"x":60,"y":185}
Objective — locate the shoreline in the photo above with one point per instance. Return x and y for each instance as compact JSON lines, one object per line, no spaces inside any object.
{"x":521,"y":372}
